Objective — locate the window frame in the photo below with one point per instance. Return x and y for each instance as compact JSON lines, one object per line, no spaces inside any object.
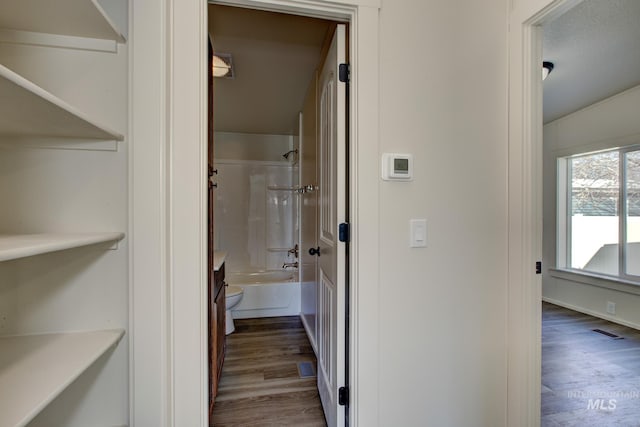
{"x":564,"y":212}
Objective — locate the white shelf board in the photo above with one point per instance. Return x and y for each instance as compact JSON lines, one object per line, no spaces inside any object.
{"x":13,"y":246}
{"x":34,"y":369}
{"x":78,"y":18}
{"x":28,"y":110}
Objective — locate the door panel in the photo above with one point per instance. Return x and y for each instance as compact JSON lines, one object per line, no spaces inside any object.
{"x":332,"y":206}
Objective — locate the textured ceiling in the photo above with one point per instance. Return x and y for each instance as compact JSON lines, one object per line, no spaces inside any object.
{"x":595,"y":48}
{"x":274,"y":58}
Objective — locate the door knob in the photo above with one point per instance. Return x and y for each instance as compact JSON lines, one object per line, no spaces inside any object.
{"x":314,"y":251}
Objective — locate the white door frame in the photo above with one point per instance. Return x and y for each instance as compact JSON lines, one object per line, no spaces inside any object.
{"x":525,"y":206}
{"x":168,"y":310}
{"x":362,"y":16}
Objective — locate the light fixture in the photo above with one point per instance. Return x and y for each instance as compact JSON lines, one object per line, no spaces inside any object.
{"x":222,"y":65}
{"x":547,"y":67}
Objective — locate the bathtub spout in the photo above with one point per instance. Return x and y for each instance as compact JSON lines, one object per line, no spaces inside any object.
{"x":290,"y":264}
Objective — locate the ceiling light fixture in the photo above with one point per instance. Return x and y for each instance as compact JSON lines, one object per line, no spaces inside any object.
{"x":547,"y":67}
{"x":222,"y":65}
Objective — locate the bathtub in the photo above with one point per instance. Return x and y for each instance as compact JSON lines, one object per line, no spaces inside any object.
{"x":266,"y":293}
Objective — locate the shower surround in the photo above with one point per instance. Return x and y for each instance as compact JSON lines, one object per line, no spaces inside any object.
{"x":256,"y":213}
{"x":256,"y":223}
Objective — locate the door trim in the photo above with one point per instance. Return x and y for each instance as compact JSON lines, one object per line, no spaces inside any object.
{"x":178,"y":201}
{"x":525,"y":207}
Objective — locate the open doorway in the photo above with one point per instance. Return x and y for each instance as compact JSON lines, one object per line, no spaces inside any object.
{"x":271,"y":175}
{"x":591,"y":182}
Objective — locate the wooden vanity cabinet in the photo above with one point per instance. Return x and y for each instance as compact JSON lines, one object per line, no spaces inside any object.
{"x":221,"y":317}
{"x":217,"y":329}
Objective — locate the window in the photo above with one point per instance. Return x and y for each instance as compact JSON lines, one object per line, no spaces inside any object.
{"x":599,"y":212}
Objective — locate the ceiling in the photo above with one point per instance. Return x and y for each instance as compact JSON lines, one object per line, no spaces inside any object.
{"x":595,"y":48}
{"x":274,"y":58}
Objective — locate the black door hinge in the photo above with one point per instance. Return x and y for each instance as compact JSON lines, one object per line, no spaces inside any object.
{"x":343,"y":396}
{"x":538,"y":267}
{"x":344,"y":232}
{"x":344,"y":73}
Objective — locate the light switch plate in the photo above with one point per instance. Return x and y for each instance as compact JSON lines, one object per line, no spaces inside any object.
{"x":417,"y":233}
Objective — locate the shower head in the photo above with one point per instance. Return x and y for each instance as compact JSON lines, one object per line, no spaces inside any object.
{"x":288,"y":153}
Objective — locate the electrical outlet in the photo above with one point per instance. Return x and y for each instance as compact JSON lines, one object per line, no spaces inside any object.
{"x":611,"y":307}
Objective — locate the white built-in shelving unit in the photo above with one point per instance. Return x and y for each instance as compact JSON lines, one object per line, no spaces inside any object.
{"x":26,"y":388}
{"x":42,"y":351}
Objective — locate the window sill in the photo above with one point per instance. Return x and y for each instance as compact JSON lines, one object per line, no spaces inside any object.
{"x":599,"y":280}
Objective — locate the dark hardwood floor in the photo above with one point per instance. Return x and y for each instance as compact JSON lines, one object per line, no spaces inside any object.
{"x":261,"y":384}
{"x":588,"y":378}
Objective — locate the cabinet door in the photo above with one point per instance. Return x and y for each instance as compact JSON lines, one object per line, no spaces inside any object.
{"x":220,"y":330}
{"x":213,"y":346}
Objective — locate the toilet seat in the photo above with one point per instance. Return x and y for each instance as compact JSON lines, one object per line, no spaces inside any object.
{"x":232,"y":298}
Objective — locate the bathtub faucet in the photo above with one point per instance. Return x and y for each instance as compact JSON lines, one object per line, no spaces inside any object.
{"x":290,"y":264}
{"x":294,"y":251}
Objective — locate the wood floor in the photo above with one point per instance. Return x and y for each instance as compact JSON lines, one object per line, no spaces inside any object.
{"x":261,"y":383}
{"x":588,"y":378}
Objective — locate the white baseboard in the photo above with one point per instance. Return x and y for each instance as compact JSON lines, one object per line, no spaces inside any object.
{"x":307,"y":329}
{"x":597,"y":314}
{"x":265,"y":312}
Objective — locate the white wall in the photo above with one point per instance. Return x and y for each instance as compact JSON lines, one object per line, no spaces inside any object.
{"x":252,"y":146}
{"x":607,"y":124}
{"x":442,"y":321}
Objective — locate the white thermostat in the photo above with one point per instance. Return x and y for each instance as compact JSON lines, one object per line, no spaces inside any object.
{"x":397,"y":167}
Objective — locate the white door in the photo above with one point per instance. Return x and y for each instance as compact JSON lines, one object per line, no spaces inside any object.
{"x":332,"y":204}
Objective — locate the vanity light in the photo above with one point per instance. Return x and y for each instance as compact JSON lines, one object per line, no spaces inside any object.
{"x":547,"y":67}
{"x":222,"y":65}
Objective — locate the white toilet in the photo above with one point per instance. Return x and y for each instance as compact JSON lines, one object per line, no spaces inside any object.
{"x":233,"y":297}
